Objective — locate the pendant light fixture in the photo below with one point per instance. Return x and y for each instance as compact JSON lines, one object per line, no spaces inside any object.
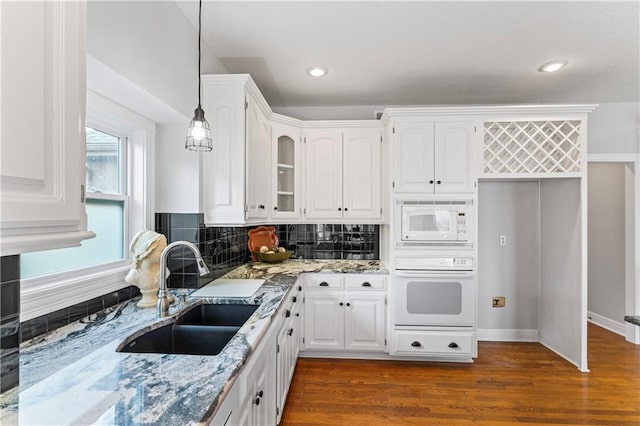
{"x":199,"y":136}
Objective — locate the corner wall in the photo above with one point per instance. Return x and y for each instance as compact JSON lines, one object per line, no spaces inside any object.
{"x":152,"y":44}
{"x":606,"y":288}
{"x":562,"y":320}
{"x":513,"y":271}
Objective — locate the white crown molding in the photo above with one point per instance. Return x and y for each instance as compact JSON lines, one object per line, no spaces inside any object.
{"x":613,"y":158}
{"x":16,"y":244}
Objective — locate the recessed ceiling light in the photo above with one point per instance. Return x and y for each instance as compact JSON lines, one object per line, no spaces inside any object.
{"x":553,"y":65}
{"x":317,"y":71}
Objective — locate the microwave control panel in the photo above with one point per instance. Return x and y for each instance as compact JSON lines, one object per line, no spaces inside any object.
{"x":462,"y":226}
{"x":435,"y":263}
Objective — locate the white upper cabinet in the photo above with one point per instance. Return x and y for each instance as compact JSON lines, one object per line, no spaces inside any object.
{"x":362,"y":173}
{"x":286,"y":161}
{"x":414,"y":143}
{"x":452,"y":158}
{"x":235,"y":177}
{"x":433,"y":156}
{"x":43,"y":118}
{"x":343,"y":174}
{"x":323,"y":177}
{"x":258,"y":162}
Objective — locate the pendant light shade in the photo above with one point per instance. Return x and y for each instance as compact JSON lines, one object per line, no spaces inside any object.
{"x":199,"y":135}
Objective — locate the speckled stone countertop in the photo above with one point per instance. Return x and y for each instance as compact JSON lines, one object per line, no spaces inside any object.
{"x":74,"y":375}
{"x":632,"y":320}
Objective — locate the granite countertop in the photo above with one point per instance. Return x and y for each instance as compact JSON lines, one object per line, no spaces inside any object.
{"x":74,"y":375}
{"x":633,"y":319}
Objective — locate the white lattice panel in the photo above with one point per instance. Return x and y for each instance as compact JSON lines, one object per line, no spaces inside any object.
{"x":532,"y":147}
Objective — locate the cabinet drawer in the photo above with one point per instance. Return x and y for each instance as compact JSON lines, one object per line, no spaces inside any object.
{"x":365,"y":282}
{"x":323,"y":281}
{"x":433,"y":342}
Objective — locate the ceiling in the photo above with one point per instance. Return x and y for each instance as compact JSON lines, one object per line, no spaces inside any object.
{"x":393,"y":53}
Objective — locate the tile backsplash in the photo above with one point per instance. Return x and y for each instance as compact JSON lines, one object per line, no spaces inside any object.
{"x":224,"y":248}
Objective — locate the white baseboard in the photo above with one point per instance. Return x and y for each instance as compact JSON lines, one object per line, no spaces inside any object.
{"x":507,"y":335}
{"x":607,"y":323}
{"x":632,"y":333}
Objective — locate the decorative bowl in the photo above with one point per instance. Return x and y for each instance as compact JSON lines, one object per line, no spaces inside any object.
{"x":261,"y":236}
{"x":273,"y":257}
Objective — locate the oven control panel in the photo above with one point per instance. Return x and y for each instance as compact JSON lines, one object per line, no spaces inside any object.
{"x":435,"y":263}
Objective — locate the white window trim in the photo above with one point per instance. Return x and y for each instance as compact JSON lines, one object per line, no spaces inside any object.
{"x":45,"y":294}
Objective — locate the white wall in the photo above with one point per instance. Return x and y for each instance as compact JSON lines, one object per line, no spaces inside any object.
{"x":153,"y":45}
{"x":607,"y":236}
{"x":562,"y":321}
{"x":177,"y":171}
{"x":614,"y":128}
{"x":510,"y":209}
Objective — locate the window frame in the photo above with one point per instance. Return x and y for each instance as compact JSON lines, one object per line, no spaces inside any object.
{"x":48,"y":293}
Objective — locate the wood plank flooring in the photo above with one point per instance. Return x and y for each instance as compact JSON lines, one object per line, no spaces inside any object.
{"x":508,"y":383}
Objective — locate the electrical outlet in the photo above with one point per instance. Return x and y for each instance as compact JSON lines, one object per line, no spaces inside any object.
{"x":503,"y":240}
{"x":498,"y":301}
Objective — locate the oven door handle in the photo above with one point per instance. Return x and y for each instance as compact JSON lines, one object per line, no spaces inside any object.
{"x":434,"y":274}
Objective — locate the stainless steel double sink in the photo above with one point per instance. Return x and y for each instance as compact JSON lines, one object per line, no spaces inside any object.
{"x":203,"y":329}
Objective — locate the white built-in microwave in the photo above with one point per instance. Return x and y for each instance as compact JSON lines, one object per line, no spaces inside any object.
{"x":433,"y":223}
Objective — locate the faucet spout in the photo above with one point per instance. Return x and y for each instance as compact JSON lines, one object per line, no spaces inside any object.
{"x":164,"y":300}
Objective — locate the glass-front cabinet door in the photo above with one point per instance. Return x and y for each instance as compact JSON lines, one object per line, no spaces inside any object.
{"x":286,"y":168}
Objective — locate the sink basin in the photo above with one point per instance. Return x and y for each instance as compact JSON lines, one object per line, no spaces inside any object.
{"x":183,"y":339}
{"x":217,"y":314}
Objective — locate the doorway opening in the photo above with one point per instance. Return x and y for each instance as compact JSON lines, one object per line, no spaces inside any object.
{"x":613,"y":242}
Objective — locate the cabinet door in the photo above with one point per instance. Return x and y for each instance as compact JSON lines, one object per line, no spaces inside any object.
{"x":453,"y":148}
{"x":362,"y":173}
{"x":364,"y":321}
{"x":323,"y":177}
{"x":285,"y":171}
{"x":42,"y":155}
{"x":413,"y":152}
{"x":324,"y":320}
{"x":258,"y":162}
{"x":287,"y":354}
{"x":258,"y":404}
{"x":223,"y":174}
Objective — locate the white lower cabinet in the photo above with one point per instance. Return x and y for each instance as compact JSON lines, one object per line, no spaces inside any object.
{"x":434,"y":343}
{"x":287,"y":348}
{"x":227,"y":414}
{"x":338,"y":319}
{"x":258,"y":387}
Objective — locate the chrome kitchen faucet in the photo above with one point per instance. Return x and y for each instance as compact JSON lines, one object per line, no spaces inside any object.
{"x":164,"y":300}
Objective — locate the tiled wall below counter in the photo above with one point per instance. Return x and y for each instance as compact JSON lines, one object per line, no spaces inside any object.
{"x":9,"y":322}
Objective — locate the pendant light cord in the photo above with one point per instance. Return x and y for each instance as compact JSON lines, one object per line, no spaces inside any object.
{"x":199,"y":54}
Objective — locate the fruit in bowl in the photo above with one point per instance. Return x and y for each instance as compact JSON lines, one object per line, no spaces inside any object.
{"x":273,"y":254}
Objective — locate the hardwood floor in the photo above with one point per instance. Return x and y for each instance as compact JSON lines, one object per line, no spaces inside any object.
{"x":508,"y":383}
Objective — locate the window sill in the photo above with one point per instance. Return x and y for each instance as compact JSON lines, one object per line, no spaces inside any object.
{"x":42,"y":295}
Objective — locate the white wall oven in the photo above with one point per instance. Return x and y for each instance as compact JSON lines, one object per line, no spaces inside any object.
{"x":434,"y":291}
{"x":428,"y":223}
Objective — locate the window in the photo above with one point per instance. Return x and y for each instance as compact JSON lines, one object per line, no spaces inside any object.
{"x":106,"y":206}
{"x":119,"y":202}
